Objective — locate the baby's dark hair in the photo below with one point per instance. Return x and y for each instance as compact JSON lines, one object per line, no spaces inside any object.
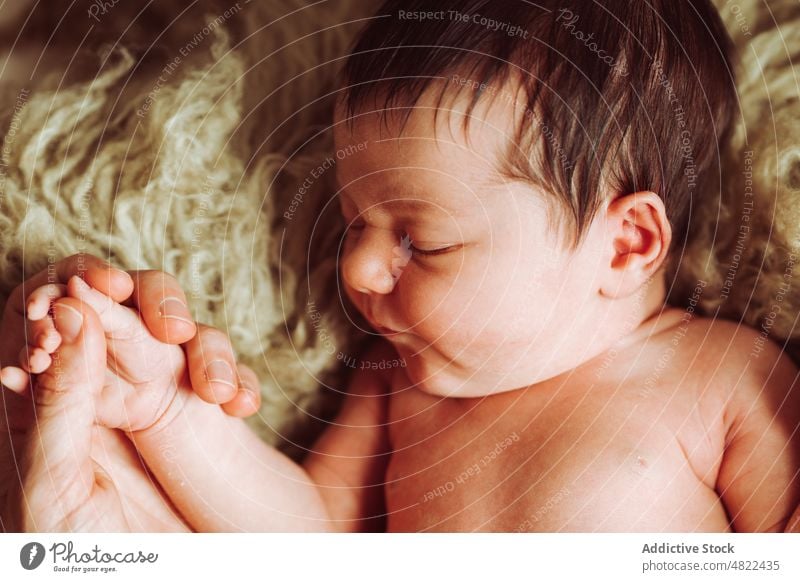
{"x":622,"y":96}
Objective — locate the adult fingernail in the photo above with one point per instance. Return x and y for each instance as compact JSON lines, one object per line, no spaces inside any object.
{"x":68,"y":321}
{"x":174,"y":308}
{"x":120,"y":272}
{"x":252,"y":385}
{"x":253,"y":398}
{"x":221,"y":372}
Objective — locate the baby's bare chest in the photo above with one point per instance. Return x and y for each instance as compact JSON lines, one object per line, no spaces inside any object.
{"x":566,"y":460}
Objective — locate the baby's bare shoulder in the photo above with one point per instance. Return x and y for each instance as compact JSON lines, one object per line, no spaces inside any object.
{"x":735,"y":358}
{"x":713,"y":341}
{"x":716,"y":338}
{"x":710,"y":357}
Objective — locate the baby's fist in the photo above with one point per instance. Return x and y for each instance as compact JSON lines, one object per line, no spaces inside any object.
{"x":149,"y":376}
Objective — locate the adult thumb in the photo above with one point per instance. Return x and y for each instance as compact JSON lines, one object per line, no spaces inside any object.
{"x":59,"y":469}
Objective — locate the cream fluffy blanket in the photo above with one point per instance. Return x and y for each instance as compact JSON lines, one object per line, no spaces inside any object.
{"x":746,"y":242}
{"x":180,"y":141}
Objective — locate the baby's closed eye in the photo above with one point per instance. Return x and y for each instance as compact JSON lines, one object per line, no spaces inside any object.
{"x":430,"y":249}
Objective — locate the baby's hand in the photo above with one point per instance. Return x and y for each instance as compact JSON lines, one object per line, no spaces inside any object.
{"x":144,"y":376}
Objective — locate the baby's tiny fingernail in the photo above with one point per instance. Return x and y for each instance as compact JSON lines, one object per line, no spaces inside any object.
{"x":174,"y":308}
{"x":39,"y":361}
{"x":13,"y":378}
{"x":68,"y":321}
{"x":221,"y":372}
{"x":31,"y":311}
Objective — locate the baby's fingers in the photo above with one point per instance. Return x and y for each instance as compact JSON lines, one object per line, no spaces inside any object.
{"x":44,"y":339}
{"x":118,"y":322}
{"x":248,"y":399}
{"x":40,"y":330}
{"x":42,"y":334}
{"x":211,"y":365}
{"x":100,"y":275}
{"x":41,"y":300}
{"x":34,"y":360}
{"x":16,"y":379}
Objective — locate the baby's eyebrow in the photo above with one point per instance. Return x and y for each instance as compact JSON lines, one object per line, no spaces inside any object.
{"x":411,"y":210}
{"x":405,"y":199}
{"x":409,"y":204}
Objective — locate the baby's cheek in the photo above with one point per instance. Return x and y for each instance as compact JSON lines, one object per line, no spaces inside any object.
{"x":423,"y":307}
{"x":446,"y":315}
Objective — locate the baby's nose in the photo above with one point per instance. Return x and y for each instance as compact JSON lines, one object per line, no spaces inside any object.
{"x":367,"y":265}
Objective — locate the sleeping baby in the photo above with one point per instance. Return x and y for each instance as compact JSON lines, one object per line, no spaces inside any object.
{"x":533,"y":167}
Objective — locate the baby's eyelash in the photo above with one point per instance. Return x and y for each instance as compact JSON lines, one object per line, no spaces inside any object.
{"x":430,"y":253}
{"x":406,"y":242}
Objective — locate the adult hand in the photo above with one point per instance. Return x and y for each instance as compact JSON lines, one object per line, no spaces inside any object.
{"x":16,"y":333}
{"x":75,"y":475}
{"x":162,"y":305}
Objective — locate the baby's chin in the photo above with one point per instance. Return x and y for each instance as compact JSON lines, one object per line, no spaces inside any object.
{"x":439,"y":377}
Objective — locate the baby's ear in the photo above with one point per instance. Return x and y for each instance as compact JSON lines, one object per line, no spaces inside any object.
{"x":638,"y":234}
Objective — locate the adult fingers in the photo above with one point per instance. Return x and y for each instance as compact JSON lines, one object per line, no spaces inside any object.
{"x":98,"y":273}
{"x":162,"y":303}
{"x":248,"y":399}
{"x":212,"y":365}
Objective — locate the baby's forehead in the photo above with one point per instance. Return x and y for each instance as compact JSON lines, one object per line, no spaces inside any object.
{"x":425,"y":181}
{"x":483,"y":119}
{"x":375,"y":163}
{"x":442,"y":149}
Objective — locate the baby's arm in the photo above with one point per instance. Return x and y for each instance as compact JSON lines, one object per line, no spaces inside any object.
{"x":222,"y":477}
{"x":759,"y":479}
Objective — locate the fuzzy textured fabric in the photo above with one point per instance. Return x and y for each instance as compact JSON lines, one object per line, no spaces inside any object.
{"x":194,"y":141}
{"x":746,"y":239}
{"x":188,"y":158}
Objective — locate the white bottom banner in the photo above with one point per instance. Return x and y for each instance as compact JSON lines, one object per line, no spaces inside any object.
{"x":352,"y":557}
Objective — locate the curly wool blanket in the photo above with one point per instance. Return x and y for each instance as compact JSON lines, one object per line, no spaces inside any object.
{"x":194,"y":140}
{"x":746,"y":238}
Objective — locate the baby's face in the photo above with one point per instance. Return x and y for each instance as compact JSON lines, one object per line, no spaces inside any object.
{"x":483,"y":298}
